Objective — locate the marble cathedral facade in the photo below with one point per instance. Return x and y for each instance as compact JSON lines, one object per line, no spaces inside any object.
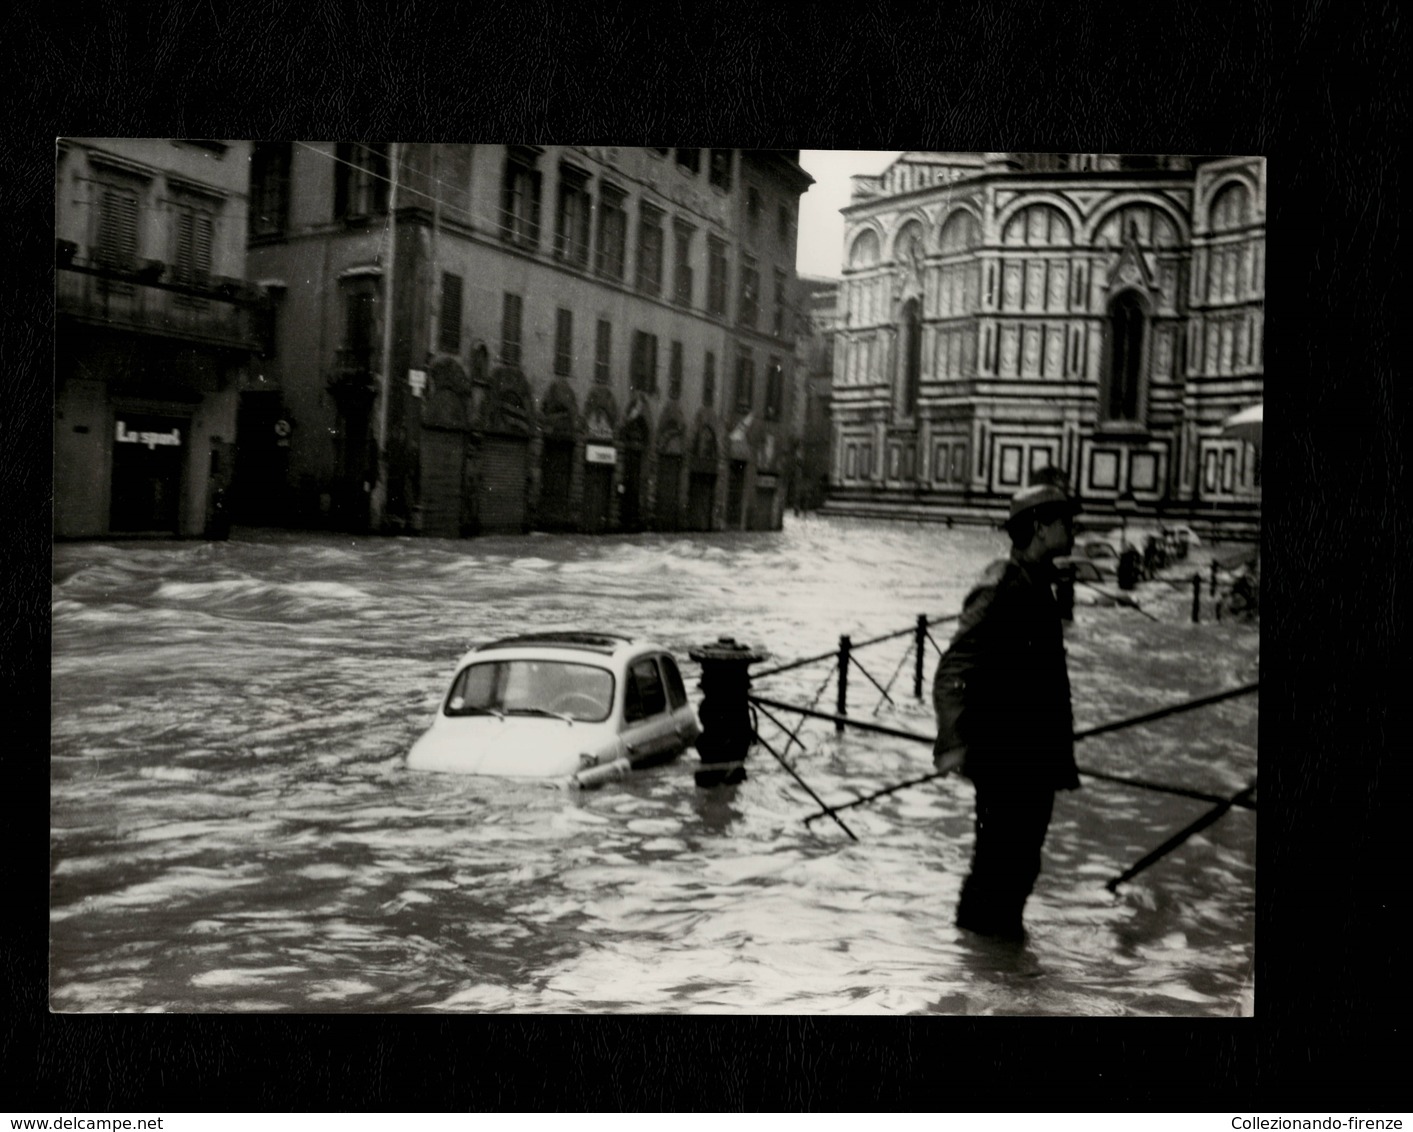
{"x":1003,"y":313}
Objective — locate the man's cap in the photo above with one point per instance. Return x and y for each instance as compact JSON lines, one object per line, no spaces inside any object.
{"x":1040,"y":495}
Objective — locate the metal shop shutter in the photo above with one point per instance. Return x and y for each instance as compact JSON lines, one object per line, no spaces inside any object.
{"x":443,"y":453}
{"x":502,"y":495}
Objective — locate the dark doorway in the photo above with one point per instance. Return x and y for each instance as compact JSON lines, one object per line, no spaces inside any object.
{"x":556,"y":464}
{"x":598,"y":497}
{"x":259,"y":492}
{"x":735,"y":494}
{"x":148,"y":454}
{"x":669,"y":489}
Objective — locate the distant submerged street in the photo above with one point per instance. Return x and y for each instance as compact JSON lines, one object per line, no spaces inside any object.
{"x":233,"y":828}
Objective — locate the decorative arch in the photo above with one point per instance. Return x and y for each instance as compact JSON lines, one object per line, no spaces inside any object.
{"x":671,"y":431}
{"x":960,"y":232}
{"x":1051,"y":201}
{"x":706,"y":449}
{"x":1219,"y":185}
{"x":559,"y":412}
{"x":508,"y":407}
{"x":1232,"y":206}
{"x":911,"y":225}
{"x":1120,"y":204}
{"x":600,"y":414}
{"x":449,"y":396}
{"x":1037,"y":225}
{"x":865,"y":249}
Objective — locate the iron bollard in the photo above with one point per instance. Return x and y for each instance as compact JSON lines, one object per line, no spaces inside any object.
{"x":725,"y":713}
{"x":919,"y":644}
{"x":843,"y":708}
{"x":1196,"y":598}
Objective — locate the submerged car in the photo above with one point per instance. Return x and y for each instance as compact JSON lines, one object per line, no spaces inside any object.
{"x":578,"y":706}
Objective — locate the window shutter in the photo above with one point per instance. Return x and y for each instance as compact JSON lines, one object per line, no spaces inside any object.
{"x":117,"y":231}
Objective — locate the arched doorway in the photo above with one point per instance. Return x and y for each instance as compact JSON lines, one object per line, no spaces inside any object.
{"x":635,"y":444}
{"x":505,"y":455}
{"x":701,"y":486}
{"x":668,"y":511}
{"x":556,"y":511}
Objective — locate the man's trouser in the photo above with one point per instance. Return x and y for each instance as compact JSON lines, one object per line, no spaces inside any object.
{"x":1011,"y":823}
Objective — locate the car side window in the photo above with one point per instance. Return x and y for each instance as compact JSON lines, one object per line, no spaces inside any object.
{"x":676,"y":691}
{"x":645,"y":696}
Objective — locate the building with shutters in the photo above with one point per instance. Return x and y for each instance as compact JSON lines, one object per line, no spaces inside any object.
{"x":156,"y":332}
{"x":478,"y":339}
{"x":1002,"y":313}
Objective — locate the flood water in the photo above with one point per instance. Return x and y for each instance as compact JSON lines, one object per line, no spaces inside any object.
{"x":233,"y":828}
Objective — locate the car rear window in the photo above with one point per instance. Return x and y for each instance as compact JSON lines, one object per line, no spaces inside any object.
{"x":529,"y":687}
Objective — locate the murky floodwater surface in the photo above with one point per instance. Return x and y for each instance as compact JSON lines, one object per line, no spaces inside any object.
{"x":233,"y":828}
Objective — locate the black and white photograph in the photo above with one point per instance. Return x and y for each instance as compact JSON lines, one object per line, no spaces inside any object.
{"x":612,"y":580}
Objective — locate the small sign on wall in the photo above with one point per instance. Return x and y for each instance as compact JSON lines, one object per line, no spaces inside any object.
{"x":599,"y":454}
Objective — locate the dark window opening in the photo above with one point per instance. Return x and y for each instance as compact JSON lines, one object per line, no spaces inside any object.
{"x":682,"y":265}
{"x":571,"y":241}
{"x":649,"y":250}
{"x":716,"y":277}
{"x":603,"y":350}
{"x":449,"y":324}
{"x":750,"y":293}
{"x":642,"y":373}
{"x":510,"y":330}
{"x":674,"y":372}
{"x":745,"y":382}
{"x":720,"y":172}
{"x":269,"y":188}
{"x":520,"y":199}
{"x":709,"y":379}
{"x":613,"y":233}
{"x":912,"y":355}
{"x":360,"y":180}
{"x":690,"y":159}
{"x":774,"y":390}
{"x":563,"y":342}
{"x":1126,"y":331}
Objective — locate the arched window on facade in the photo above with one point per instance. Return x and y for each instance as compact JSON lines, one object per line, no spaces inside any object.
{"x":864,"y":252}
{"x":1126,"y":329}
{"x":1231,"y":208}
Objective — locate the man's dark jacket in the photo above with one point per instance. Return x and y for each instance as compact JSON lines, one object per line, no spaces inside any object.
{"x":1002,"y":690}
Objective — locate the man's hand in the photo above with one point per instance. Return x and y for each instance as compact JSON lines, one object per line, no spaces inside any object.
{"x":950,"y":760}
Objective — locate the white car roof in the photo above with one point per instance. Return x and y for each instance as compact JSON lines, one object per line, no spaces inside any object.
{"x":599,"y":649}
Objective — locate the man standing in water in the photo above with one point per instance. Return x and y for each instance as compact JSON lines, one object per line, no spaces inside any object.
{"x":1002,"y":694}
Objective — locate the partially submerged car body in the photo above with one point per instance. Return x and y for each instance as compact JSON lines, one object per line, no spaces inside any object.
{"x":576,"y":706}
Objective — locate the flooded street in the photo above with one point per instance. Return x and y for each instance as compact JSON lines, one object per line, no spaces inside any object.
{"x":233,"y":828}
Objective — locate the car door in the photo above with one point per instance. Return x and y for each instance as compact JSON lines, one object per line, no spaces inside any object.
{"x":649,"y":726}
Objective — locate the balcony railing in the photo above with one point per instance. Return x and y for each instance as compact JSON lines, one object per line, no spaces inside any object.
{"x":223,"y":312}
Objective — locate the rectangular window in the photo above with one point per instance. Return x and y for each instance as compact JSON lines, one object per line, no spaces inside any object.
{"x":682,"y":263}
{"x":750,"y":293}
{"x":642,"y":372}
{"x":603,"y":352}
{"x":774,"y":390}
{"x":360,"y":180}
{"x":563,"y":342}
{"x":674,"y":372}
{"x":117,"y":244}
{"x":613,"y":233}
{"x":510,"y":330}
{"x":720,"y":173}
{"x":716,"y":277}
{"x":269,"y":189}
{"x":520,"y":198}
{"x":449,"y":325}
{"x":753,"y":209}
{"x":690,"y":159}
{"x":709,"y":379}
{"x":571,"y":240}
{"x":745,"y":381}
{"x":649,"y":249}
{"x":784,"y":225}
{"x":192,"y":245}
{"x":358,"y":331}
{"x":778,"y":318}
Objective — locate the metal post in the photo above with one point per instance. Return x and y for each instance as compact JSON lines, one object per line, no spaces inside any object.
{"x":919,"y":643}
{"x":843,"y":708}
{"x":378,"y":497}
{"x":725,"y":712}
{"x":1196,"y":598}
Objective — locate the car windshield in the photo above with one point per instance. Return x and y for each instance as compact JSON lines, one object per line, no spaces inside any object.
{"x":532,"y":687}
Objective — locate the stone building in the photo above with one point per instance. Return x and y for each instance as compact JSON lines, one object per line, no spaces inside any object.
{"x":819,"y":313}
{"x":156,"y":332}
{"x":1001,"y":313}
{"x":490,"y":338}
